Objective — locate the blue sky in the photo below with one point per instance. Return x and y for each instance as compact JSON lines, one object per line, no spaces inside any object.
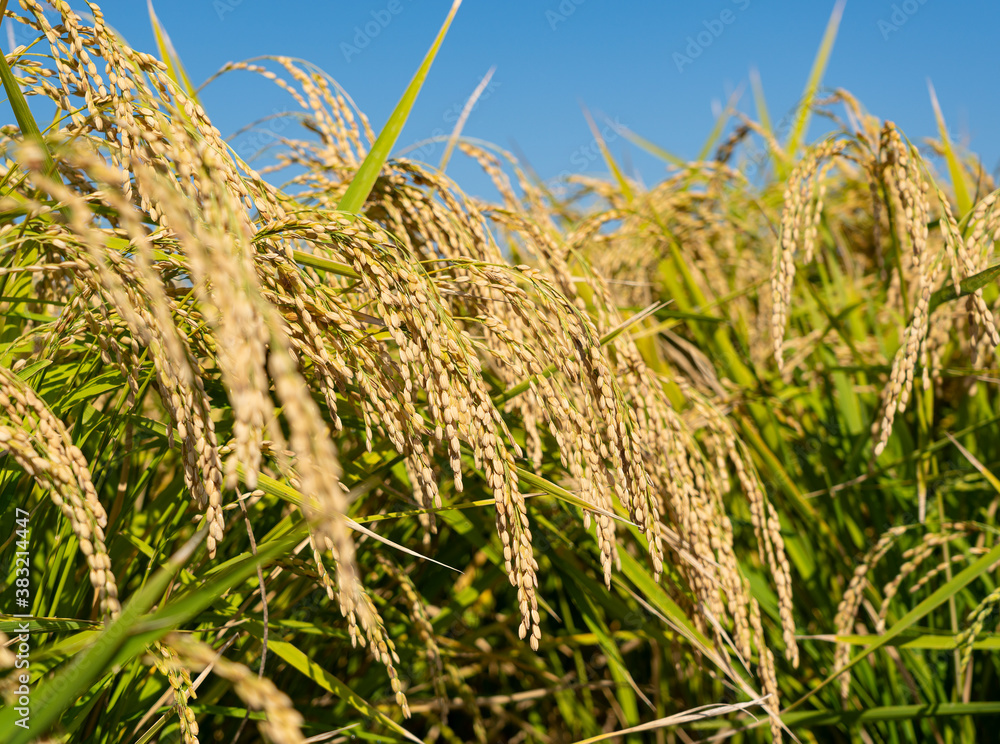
{"x":630,"y":62}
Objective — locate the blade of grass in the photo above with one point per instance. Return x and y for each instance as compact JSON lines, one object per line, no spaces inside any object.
{"x":22,"y":113}
{"x":324,"y":264}
{"x":720,"y":124}
{"x":169,"y":55}
{"x":195,"y":598}
{"x":890,"y":713}
{"x":929,"y":642}
{"x":846,"y":719}
{"x":49,"y":701}
{"x":309,"y":668}
{"x":364,"y":180}
{"x":627,"y":691}
{"x":460,"y":124}
{"x":536,"y":481}
{"x":983,"y":470}
{"x":289,"y":494}
{"x":966,"y":287}
{"x":955,"y":170}
{"x":653,"y":149}
{"x":938,"y":598}
{"x":799,"y":128}
{"x":763,"y":117}
{"x":612,"y":165}
{"x":689,"y":716}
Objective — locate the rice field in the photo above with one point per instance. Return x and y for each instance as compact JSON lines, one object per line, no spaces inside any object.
{"x":331,"y":451}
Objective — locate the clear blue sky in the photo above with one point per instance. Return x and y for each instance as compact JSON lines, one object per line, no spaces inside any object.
{"x":619,"y":58}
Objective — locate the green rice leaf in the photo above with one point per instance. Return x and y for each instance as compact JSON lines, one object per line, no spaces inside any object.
{"x":966,"y":287}
{"x":169,"y":56}
{"x":938,"y":598}
{"x":25,"y":119}
{"x":301,"y":662}
{"x":623,"y":183}
{"x":364,"y":180}
{"x":653,"y":149}
{"x":801,"y":125}
{"x":50,"y":700}
{"x":955,"y":170}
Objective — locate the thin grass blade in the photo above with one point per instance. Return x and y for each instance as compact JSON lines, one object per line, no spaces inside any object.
{"x":364,"y":180}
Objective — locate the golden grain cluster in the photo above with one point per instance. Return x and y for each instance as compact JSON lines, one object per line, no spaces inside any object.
{"x":434,"y":325}
{"x":197,"y":267}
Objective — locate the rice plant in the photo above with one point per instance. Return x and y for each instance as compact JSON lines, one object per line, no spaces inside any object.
{"x":333,"y":451}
